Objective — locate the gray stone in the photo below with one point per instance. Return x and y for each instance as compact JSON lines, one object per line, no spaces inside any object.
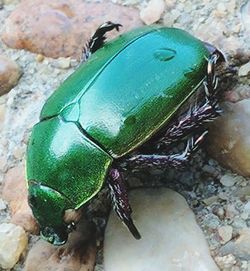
{"x":228,"y":180}
{"x":171,"y":239}
{"x":225,"y":233}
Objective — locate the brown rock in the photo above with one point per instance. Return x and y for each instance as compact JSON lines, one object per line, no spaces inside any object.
{"x":78,"y":254}
{"x":61,"y":27}
{"x":9,"y":74}
{"x":15,"y":193}
{"x":229,"y":137}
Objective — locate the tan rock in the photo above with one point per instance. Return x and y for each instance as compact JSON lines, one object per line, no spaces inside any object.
{"x":15,"y":193}
{"x":61,"y":27}
{"x":171,"y":238}
{"x":229,"y":137}
{"x":9,"y":74}
{"x":152,"y":12}
{"x":225,"y":233}
{"x":13,"y":242}
{"x":78,"y":254}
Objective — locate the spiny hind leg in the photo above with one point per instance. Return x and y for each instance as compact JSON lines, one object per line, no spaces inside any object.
{"x":120,"y":200}
{"x":179,"y":160}
{"x":198,"y":114}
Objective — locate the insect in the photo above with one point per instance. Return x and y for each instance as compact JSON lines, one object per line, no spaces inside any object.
{"x":126,"y":92}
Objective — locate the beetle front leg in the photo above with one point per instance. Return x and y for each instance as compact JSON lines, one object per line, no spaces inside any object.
{"x":120,"y":200}
{"x":199,"y":114}
{"x":97,"y":40}
{"x":179,"y":160}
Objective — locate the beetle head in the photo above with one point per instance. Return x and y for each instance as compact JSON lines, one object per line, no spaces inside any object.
{"x":49,"y":207}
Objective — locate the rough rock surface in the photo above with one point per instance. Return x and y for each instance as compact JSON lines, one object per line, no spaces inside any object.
{"x":230,"y":136}
{"x":171,"y":239}
{"x":13,"y":242}
{"x":78,"y":254}
{"x":61,"y":28}
{"x":9,"y":74}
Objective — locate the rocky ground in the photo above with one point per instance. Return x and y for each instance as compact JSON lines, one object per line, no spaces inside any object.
{"x":40,"y":46}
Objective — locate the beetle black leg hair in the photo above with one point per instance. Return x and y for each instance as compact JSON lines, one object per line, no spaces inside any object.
{"x":199,"y":113}
{"x":120,"y":200}
{"x":97,"y":40}
{"x":162,"y":161}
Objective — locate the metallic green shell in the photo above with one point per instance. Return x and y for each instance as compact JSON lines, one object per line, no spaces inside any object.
{"x":130,"y":88}
{"x":111,"y":104}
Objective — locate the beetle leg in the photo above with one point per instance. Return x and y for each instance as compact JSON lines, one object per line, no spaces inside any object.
{"x":179,"y":160}
{"x":97,"y":40}
{"x":199,"y":113}
{"x":120,"y":200}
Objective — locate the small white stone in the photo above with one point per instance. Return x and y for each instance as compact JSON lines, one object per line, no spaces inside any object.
{"x":13,"y":241}
{"x":225,"y":233}
{"x":62,"y":63}
{"x":171,"y":238}
{"x":228,"y":180}
{"x":244,"y":70}
{"x":225,"y":262}
{"x":152,"y":13}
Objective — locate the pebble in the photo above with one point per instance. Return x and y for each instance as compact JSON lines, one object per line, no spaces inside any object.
{"x":228,"y":180}
{"x":9,"y":74}
{"x":225,"y":233}
{"x":13,"y":242}
{"x":62,"y":63}
{"x":78,"y":254}
{"x":171,"y":239}
{"x":226,"y":262}
{"x":211,"y":221}
{"x":229,"y":137}
{"x":244,"y":70}
{"x":231,"y":212}
{"x":152,"y":12}
{"x":61,"y":28}
{"x":240,"y":247}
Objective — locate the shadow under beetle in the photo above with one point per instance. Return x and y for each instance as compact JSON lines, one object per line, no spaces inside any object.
{"x":127,"y":91}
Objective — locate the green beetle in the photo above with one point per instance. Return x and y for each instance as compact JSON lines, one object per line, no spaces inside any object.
{"x":127,"y":92}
